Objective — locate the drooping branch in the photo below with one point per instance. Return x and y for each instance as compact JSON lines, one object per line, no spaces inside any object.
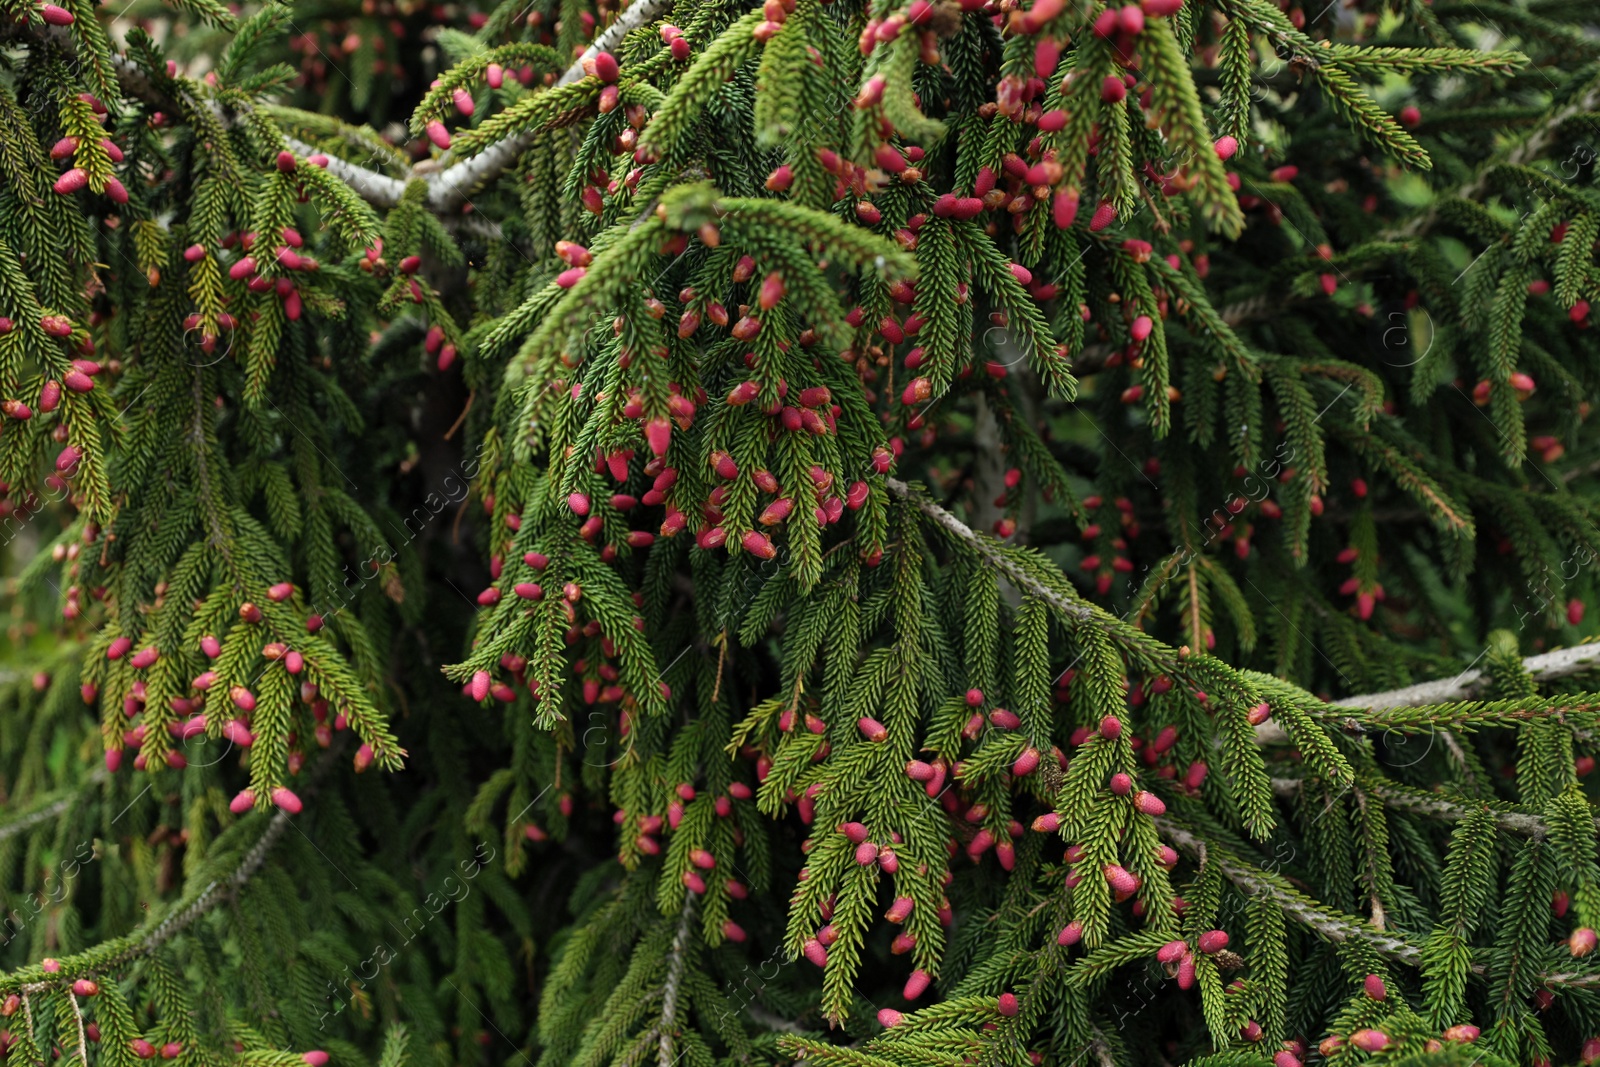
{"x":1258,"y":882}
{"x":111,"y":956}
{"x":1093,"y":358}
{"x":377,"y":189}
{"x":99,"y":960}
{"x":1323,"y":921}
{"x":53,"y":807}
{"x":1544,"y":667}
{"x":1520,"y":154}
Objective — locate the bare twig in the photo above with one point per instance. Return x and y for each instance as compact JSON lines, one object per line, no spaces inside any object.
{"x":669,"y":992}
{"x":1324,"y":922}
{"x":1520,"y":154}
{"x":1543,"y":668}
{"x":1449,"y":809}
{"x":450,"y":187}
{"x":112,"y":956}
{"x":83,"y":1037}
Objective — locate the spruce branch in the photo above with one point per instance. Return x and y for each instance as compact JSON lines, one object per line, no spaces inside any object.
{"x":377,"y":189}
{"x":1255,"y":881}
{"x":115,"y":955}
{"x":1520,"y":154}
{"x":83,"y":1037}
{"x":1544,"y":667}
{"x":1093,"y":357}
{"x":448,"y":189}
{"x":991,"y":552}
{"x":636,"y":15}
{"x":1325,"y":922}
{"x":53,"y":806}
{"x":112,"y":956}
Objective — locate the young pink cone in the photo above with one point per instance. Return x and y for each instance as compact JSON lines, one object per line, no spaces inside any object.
{"x":759,"y":545}
{"x":1122,"y":880}
{"x":771,"y":292}
{"x":872,"y":729}
{"x":1149,"y":804}
{"x":1172,"y":951}
{"x":1186,"y":972}
{"x":1370,"y":1040}
{"x":72,"y":181}
{"x":916,"y":985}
{"x":658,"y":434}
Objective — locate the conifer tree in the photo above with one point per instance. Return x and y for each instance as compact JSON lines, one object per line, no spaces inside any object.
{"x":842,"y":532}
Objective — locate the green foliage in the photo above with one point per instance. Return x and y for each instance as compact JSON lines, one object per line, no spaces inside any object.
{"x":851,"y":533}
